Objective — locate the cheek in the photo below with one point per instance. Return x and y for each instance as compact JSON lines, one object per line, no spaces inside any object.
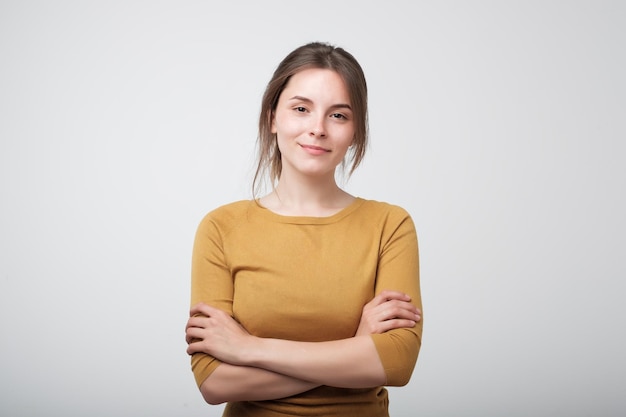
{"x":347,"y":135}
{"x":286,"y":126}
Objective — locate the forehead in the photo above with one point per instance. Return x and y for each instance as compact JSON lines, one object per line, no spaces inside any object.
{"x":317,"y":83}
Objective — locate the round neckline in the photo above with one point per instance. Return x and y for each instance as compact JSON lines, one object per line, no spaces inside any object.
{"x":280,"y":218}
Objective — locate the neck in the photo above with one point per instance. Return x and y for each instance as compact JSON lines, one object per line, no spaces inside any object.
{"x":307,"y":197}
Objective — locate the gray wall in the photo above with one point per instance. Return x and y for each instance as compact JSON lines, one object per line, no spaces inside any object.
{"x":498,"y":125}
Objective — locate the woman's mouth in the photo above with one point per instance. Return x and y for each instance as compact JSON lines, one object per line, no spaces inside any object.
{"x":314,"y":150}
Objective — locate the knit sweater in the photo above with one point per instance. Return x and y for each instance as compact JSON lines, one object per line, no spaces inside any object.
{"x":307,"y":279}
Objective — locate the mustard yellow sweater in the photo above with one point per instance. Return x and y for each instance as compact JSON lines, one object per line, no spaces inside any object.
{"x":307,"y":279}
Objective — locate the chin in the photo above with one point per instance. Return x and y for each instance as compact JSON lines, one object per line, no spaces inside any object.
{"x":317,"y":172}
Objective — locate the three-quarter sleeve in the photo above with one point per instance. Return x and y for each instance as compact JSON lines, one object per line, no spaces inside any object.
{"x":211,"y":283}
{"x":398,"y":270}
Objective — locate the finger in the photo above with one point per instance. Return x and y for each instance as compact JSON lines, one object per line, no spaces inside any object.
{"x":198,"y":321}
{"x":189,"y":339}
{"x":394,"y":308}
{"x":193,"y":334}
{"x":388,"y":325}
{"x":199,"y":309}
{"x":402,"y":303}
{"x":386,"y":296}
{"x":377,"y":301}
{"x":406,"y":305}
{"x":394,"y":295}
{"x":204,"y":310}
{"x":194,"y":347}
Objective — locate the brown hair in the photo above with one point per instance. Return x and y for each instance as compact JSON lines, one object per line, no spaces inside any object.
{"x":312,"y":55}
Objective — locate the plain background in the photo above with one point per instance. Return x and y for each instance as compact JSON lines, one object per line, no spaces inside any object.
{"x":499,"y":125}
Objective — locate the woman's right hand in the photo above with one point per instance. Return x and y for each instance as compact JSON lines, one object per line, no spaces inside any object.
{"x":387,"y":311}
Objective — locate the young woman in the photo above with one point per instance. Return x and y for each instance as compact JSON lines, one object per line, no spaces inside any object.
{"x":306,"y":301}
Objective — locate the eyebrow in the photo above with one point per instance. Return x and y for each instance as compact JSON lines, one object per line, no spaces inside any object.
{"x":334,"y":106}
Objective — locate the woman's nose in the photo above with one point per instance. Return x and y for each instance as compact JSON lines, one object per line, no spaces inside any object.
{"x":318,"y":129}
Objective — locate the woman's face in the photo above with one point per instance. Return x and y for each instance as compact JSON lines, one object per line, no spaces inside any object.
{"x":314,"y":123}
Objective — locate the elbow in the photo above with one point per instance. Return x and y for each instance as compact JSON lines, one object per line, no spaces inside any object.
{"x":400,"y":381}
{"x":212,"y":398}
{"x":399,"y":356}
{"x":401,"y":376}
{"x":213,"y":401}
{"x":211,"y":395}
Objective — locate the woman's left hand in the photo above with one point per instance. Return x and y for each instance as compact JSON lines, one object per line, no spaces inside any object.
{"x":212,"y":331}
{"x":387,"y":311}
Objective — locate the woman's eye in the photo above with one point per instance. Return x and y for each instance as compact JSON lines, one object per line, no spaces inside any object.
{"x":338,"y":116}
{"x":300,"y":109}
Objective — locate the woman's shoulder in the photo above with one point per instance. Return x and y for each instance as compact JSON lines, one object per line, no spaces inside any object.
{"x":384,"y":208}
{"x":232,"y":208}
{"x":227,"y":214}
{"x":390,"y":219}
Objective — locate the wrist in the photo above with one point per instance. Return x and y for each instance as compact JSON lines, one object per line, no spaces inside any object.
{"x":258,"y":351}
{"x":251,"y":354}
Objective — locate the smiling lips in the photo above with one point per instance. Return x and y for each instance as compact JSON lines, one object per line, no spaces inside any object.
{"x":314,"y":150}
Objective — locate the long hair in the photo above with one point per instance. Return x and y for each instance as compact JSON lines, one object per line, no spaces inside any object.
{"x":312,"y":55}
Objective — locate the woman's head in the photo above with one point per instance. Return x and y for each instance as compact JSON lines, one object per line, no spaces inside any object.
{"x":320,"y":56}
